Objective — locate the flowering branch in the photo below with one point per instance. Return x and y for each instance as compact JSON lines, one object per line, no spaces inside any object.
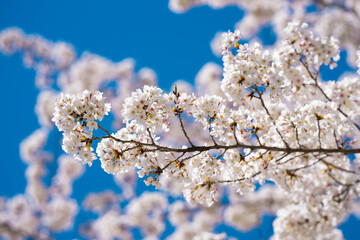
{"x":195,"y":148}
{"x":269,"y":127}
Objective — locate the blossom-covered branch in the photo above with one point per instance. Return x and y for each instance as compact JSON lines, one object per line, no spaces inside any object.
{"x":271,"y":126}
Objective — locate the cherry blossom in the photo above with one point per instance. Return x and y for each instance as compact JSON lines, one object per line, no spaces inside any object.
{"x":265,"y":116}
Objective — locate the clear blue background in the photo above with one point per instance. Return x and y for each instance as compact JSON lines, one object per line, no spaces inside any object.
{"x":175,"y":46}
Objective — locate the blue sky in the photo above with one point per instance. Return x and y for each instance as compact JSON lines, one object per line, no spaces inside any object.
{"x":175,"y":46}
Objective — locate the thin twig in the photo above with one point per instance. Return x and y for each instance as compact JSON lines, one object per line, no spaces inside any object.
{"x":337,"y":181}
{"x":319,"y":132}
{"x":183,"y":128}
{"x":337,"y":167}
{"x":297,"y":135}
{"x":303,"y":167}
{"x":148,"y":130}
{"x":211,"y":136}
{"x":271,"y":118}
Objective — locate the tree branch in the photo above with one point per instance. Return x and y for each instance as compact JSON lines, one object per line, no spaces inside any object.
{"x":271,"y":118}
{"x":235,"y":146}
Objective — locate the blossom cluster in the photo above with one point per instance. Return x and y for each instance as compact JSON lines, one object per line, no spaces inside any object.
{"x":149,"y":107}
{"x":76,"y":116}
{"x":316,"y":51}
{"x":249,"y":67}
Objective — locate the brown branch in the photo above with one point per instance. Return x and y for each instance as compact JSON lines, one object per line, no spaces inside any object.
{"x":304,"y":167}
{"x":152,"y":139}
{"x":271,"y":118}
{"x":222,"y":154}
{"x":258,"y":139}
{"x":319,"y":132}
{"x":339,"y":182}
{"x":171,"y":162}
{"x":284,"y":156}
{"x":233,"y":129}
{"x":297,"y":135}
{"x":237,"y":180}
{"x":337,"y":167}
{"x":211,"y":136}
{"x":235,"y":146}
{"x":183,"y":127}
{"x":336,"y":140}
{"x":200,"y":149}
